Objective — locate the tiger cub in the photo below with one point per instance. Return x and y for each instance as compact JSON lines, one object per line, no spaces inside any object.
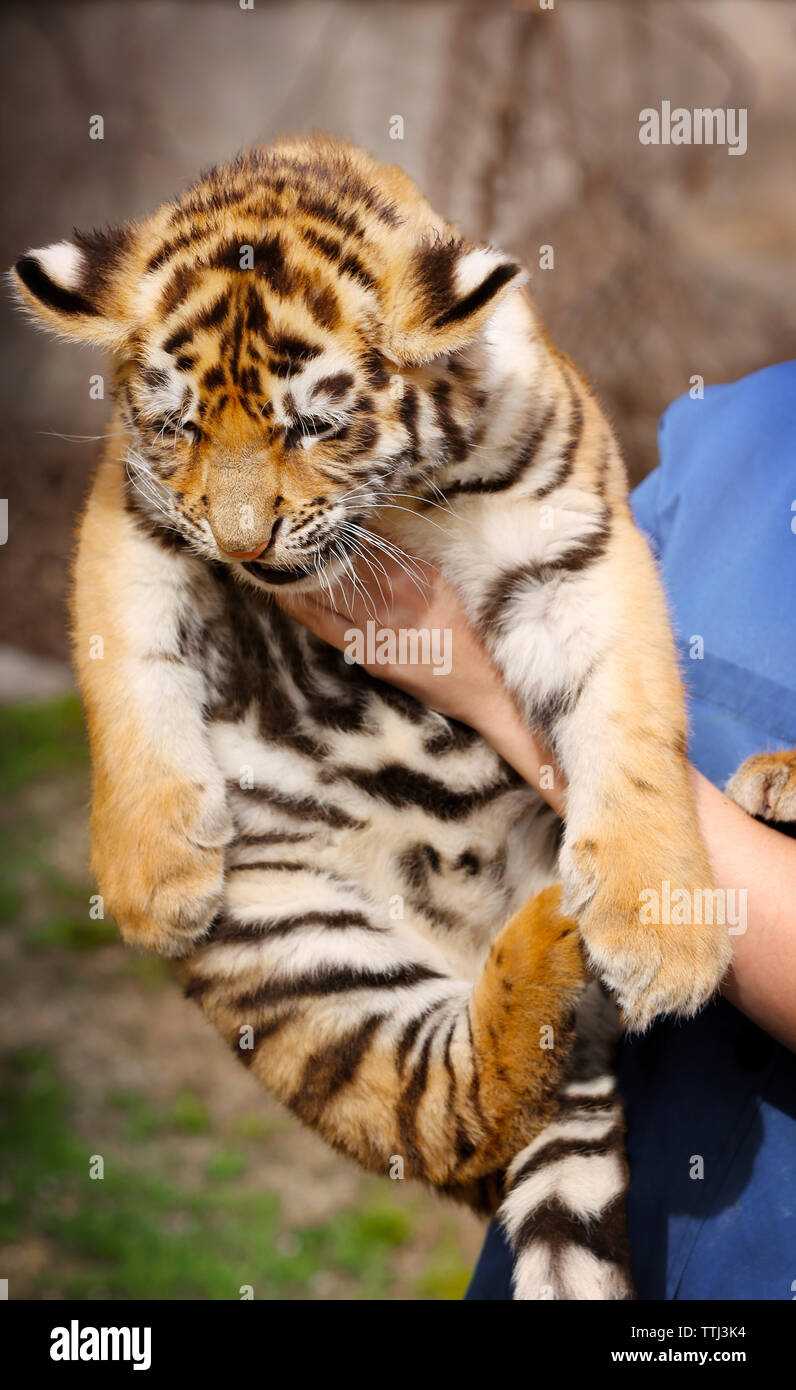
{"x":302,"y":346}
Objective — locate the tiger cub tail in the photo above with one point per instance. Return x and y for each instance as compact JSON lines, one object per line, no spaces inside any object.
{"x":564,"y":1208}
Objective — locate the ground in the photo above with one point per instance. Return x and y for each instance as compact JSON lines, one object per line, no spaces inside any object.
{"x":208,"y":1185}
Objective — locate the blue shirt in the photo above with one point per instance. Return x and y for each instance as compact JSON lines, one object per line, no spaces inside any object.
{"x":720,"y":515}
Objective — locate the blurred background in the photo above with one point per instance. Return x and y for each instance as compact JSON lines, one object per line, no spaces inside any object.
{"x":521,"y":124}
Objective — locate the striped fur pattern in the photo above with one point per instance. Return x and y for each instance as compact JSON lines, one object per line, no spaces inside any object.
{"x":301,"y":348}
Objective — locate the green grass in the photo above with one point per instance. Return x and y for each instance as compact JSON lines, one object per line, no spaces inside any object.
{"x":41,"y":740}
{"x":190,"y":1114}
{"x":142,"y":1119}
{"x":152,"y":971}
{"x":253,"y":1125}
{"x":44,"y":775}
{"x":137,"y":1235}
{"x":225,"y":1165}
{"x":446,"y":1276}
{"x":78,"y":933}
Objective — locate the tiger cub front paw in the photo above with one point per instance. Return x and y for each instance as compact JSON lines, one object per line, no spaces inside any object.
{"x":765,"y":785}
{"x":160,"y":864}
{"x":657,"y":947}
{"x":672,"y":971}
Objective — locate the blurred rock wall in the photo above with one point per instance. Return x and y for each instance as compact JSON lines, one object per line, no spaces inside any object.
{"x":519,"y":123}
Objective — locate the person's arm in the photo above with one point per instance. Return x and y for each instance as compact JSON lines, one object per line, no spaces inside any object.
{"x":745,"y":854}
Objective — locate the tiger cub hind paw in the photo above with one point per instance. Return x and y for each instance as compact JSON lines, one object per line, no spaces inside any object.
{"x":542,"y":943}
{"x":161,"y":873}
{"x":765,"y":785}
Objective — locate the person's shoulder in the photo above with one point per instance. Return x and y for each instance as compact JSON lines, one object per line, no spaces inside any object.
{"x":752,"y":420}
{"x":722,"y":448}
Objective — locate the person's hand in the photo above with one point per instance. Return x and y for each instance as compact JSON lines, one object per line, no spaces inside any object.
{"x":404,"y":623}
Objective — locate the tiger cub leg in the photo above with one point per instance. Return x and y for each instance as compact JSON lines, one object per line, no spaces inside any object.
{"x":633,"y":860}
{"x":159,"y":820}
{"x":765,"y":785}
{"x":565,"y":1205}
{"x":637,"y":871}
{"x":384,"y":1055}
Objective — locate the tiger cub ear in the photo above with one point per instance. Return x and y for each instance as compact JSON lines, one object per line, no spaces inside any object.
{"x":444,"y":296}
{"x":76,"y":287}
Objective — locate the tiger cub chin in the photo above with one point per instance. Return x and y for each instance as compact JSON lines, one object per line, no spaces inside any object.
{"x":302,"y":349}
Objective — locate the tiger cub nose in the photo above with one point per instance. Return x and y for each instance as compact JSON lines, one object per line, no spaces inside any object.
{"x":259,"y":550}
{"x":247,"y":554}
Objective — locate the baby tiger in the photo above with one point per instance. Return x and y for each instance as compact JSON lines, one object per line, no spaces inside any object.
{"x":362,"y":896}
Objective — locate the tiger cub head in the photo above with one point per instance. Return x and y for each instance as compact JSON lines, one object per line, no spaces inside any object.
{"x":294,"y":342}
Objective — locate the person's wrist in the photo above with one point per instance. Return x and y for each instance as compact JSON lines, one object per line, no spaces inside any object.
{"x":494,"y":716}
{"x":500,"y":723}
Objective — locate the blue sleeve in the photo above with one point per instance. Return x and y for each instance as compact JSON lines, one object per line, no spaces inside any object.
{"x":720,"y":510}
{"x":720,"y":515}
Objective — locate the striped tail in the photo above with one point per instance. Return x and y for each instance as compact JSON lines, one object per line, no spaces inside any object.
{"x":564,"y":1209}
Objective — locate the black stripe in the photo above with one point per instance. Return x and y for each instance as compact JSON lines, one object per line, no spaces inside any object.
{"x":410,"y":1099}
{"x":415,"y":863}
{"x":323,"y":212}
{"x":334,"y":386}
{"x":352,"y":266}
{"x":269,"y":261}
{"x":181,"y":242}
{"x":334,"y":979}
{"x":406,"y":1042}
{"x":327,"y":246}
{"x":327,"y":1072}
{"x":544,"y":715}
{"x":567,"y":461}
{"x":511,"y":584}
{"x":455,"y":439}
{"x":177,"y":289}
{"x":103,"y":251}
{"x":412,"y":1029}
{"x":322,"y":303}
{"x":296,"y":349}
{"x":213,"y":377}
{"x":166,"y":536}
{"x":481,"y":295}
{"x":214,"y":314}
{"x":303,"y":807}
{"x":261,"y":1035}
{"x":401,"y":786}
{"x":558,"y":1226}
{"x":475,"y":1080}
{"x":287,"y":866}
{"x":557,"y":1149}
{"x":524,"y":460}
{"x":464,"y":1145}
{"x":231,"y":929}
{"x":375,"y":368}
{"x":452,"y":738}
{"x":54,"y":296}
{"x":446,"y":1057}
{"x":407,"y":412}
{"x":275,"y":837}
{"x":593,"y":1104}
{"x":178,"y":339}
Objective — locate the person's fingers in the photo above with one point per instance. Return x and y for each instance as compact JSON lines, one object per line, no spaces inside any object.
{"x":323,"y":621}
{"x":398,"y":586}
{"x":378,"y":587}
